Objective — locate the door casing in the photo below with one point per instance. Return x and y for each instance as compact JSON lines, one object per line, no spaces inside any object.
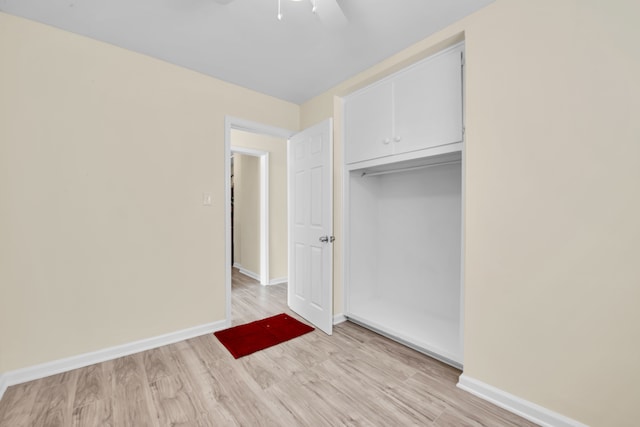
{"x":248,"y":126}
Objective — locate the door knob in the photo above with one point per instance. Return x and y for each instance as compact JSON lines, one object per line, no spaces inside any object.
{"x":326,"y":239}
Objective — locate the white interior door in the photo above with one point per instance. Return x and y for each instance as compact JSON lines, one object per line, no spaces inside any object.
{"x":310,"y":290}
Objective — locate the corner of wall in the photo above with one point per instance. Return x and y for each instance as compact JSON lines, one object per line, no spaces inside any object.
{"x":3,"y":384}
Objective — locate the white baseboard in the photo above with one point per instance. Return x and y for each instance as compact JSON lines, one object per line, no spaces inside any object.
{"x":3,"y":384}
{"x":528,"y":410}
{"x":339,"y":318}
{"x":35,"y":372}
{"x":256,"y":276}
{"x":249,"y":273}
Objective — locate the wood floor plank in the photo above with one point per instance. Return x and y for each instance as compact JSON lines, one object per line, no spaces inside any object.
{"x":380,"y":407}
{"x":62,"y":378}
{"x":343,"y":406}
{"x":131,"y":391}
{"x":370,"y":370}
{"x":272,"y":366}
{"x":91,"y":386}
{"x":235,"y":395}
{"x":132,"y":408}
{"x":466,"y":405}
{"x":303,"y":406}
{"x":412,"y":358}
{"x":158,"y":364}
{"x":126,"y":371}
{"x":53,"y":406}
{"x":95,"y":413}
{"x":454,"y":419}
{"x":304,"y":349}
{"x":175,"y":402}
{"x":16,"y":406}
{"x":415,"y":397}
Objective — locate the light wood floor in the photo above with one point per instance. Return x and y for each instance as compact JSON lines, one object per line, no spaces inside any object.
{"x":354,"y":377}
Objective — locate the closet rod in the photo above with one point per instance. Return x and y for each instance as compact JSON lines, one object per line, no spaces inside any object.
{"x":412,"y":168}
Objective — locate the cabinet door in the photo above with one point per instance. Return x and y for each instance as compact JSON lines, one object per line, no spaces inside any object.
{"x":368,"y":124}
{"x":428,"y":103}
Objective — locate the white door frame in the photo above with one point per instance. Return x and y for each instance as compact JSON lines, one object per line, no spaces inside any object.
{"x":231,"y":122}
{"x":263,"y":156}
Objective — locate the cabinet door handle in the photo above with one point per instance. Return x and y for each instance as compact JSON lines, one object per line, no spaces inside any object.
{"x":386,"y":141}
{"x":397,"y":138}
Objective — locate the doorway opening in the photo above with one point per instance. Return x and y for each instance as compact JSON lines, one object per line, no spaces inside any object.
{"x":250,"y":212}
{"x":232,"y":125}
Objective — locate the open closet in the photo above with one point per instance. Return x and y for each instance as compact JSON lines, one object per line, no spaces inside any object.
{"x":403,"y":205}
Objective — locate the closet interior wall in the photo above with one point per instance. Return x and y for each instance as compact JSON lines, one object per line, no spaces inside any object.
{"x":405,"y":255}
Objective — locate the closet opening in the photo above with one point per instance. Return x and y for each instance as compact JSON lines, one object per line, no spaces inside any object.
{"x":405,"y":252}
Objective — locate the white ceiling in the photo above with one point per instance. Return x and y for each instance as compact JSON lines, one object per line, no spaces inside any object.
{"x":243,"y":42}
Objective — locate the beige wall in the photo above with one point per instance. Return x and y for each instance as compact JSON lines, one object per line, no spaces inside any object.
{"x":104,"y":157}
{"x":277,"y":149}
{"x":246,"y":212}
{"x":552,"y":201}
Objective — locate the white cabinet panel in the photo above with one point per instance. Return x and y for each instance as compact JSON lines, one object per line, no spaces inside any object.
{"x":415,"y":109}
{"x":428,"y":103}
{"x":369,"y":126}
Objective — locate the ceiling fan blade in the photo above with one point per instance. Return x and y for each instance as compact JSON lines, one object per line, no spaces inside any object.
{"x":331,"y":14}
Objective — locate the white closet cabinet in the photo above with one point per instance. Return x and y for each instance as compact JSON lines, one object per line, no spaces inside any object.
{"x":414,"y":109}
{"x":369,"y":124}
{"x":403,"y":214}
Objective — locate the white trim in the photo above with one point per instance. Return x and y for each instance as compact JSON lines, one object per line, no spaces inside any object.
{"x":255,"y":127}
{"x":528,"y":410}
{"x":264,"y":219}
{"x":248,"y":151}
{"x":276,"y":281}
{"x":231,"y":122}
{"x":463,"y":210}
{"x":264,"y":208}
{"x":4,"y":384}
{"x":35,"y":372}
{"x":346,"y":225}
{"x":255,"y":276}
{"x":339,"y":318}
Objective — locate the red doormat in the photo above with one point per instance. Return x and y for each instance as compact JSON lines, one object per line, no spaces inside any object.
{"x":255,"y":336}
